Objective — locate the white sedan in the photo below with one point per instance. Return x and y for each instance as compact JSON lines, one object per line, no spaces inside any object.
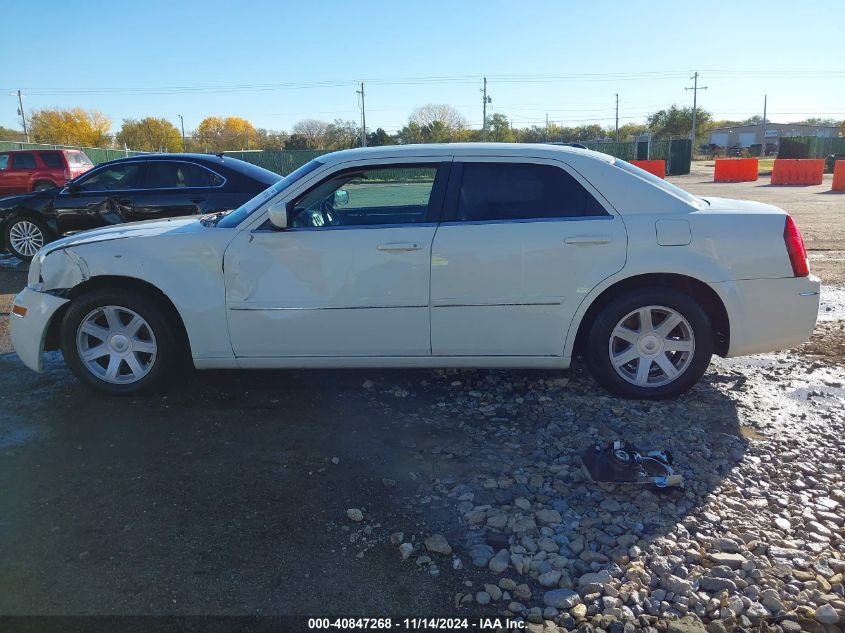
{"x":476,"y":255}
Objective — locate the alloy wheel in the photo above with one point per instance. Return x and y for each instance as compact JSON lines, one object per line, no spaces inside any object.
{"x":26,"y":238}
{"x":651,"y":346}
{"x":116,"y":344}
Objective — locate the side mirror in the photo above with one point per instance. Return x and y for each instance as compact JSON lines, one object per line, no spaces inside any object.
{"x":278,"y":215}
{"x":72,"y":187}
{"x":341,"y":198}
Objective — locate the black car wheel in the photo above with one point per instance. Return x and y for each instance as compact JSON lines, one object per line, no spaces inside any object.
{"x":43,"y":185}
{"x":119,"y":342}
{"x":651,"y":343}
{"x":24,"y":235}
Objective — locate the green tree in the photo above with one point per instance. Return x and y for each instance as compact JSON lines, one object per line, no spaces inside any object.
{"x":270,"y":139}
{"x":629,"y":131}
{"x":499,"y":129}
{"x":411,"y":134}
{"x":676,"y":121}
{"x":341,"y":135}
{"x":379,"y":137}
{"x":297,"y":141}
{"x":150,"y":134}
{"x":819,"y":121}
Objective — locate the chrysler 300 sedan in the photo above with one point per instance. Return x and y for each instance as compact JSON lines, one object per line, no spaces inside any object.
{"x":478,"y":255}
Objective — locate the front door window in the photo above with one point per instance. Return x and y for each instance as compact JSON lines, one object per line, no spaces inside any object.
{"x":384,"y":195}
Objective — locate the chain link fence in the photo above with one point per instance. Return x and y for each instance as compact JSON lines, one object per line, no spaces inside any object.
{"x":96,"y":154}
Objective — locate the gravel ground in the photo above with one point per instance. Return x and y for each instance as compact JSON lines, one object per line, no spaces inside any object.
{"x":435,"y":492}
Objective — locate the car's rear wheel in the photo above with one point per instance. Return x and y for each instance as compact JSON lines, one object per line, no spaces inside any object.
{"x":42,"y":185}
{"x":650,"y":344}
{"x":118,"y":341}
{"x":25,"y":235}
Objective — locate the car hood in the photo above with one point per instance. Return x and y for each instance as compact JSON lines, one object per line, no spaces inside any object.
{"x":9,"y":202}
{"x":150,"y":228}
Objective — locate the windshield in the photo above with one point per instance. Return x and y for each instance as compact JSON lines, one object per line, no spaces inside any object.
{"x":237,"y":216}
{"x":668,"y":187}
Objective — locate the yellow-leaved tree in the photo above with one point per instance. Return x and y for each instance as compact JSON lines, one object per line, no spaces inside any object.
{"x":150,"y":134}
{"x":220,"y":134}
{"x":70,"y":127}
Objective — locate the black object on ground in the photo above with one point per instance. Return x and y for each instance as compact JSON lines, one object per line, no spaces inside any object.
{"x":620,"y":463}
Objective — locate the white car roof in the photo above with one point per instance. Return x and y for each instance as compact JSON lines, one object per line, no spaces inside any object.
{"x":534,"y":150}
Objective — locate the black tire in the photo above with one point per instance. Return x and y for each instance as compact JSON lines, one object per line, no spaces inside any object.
{"x":43,"y":185}
{"x":168,"y":353}
{"x":45,"y":235}
{"x":597,"y":353}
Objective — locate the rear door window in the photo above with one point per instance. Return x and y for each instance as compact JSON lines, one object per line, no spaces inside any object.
{"x":52,"y":160}
{"x":23,"y":161}
{"x":521,"y":191}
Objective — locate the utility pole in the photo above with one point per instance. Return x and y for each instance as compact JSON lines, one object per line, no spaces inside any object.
{"x":23,"y":116}
{"x":547,"y":126}
{"x":363,"y":117}
{"x":617,"y":117}
{"x":484,"y":100}
{"x":695,"y":90}
{"x":763,"y":146}
{"x":184,"y":144}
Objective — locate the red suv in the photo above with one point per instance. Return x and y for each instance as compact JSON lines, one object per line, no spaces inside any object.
{"x":33,"y":170}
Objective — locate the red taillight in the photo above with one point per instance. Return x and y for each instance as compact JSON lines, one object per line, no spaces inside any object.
{"x":795,"y":248}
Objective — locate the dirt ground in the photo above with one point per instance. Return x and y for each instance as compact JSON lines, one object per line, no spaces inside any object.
{"x":228,"y":494}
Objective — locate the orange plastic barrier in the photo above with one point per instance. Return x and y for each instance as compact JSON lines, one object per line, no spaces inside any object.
{"x":656,"y":167}
{"x":800,"y":171}
{"x":735,"y":170}
{"x":838,"y":176}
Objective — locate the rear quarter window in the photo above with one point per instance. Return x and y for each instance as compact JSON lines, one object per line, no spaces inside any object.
{"x":52,"y":160}
{"x":4,"y":161}
{"x":78,"y":158}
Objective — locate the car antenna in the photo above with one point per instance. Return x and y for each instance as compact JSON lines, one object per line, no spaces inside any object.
{"x":220,"y":155}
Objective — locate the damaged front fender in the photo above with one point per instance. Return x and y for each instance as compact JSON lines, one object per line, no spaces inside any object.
{"x":58,"y":270}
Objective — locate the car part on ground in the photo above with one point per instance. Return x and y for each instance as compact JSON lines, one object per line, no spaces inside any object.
{"x":619,"y":463}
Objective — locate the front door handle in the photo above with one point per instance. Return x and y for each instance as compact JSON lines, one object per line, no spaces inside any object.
{"x":400,"y":246}
{"x":587,"y":239}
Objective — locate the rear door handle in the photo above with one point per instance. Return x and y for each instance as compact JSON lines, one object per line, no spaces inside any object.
{"x":587,"y":239}
{"x":400,"y":246}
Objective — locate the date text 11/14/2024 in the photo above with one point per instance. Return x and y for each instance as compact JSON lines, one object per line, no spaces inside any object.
{"x":417,"y":624}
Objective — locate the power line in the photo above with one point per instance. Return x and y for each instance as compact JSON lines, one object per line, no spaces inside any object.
{"x":399,"y":81}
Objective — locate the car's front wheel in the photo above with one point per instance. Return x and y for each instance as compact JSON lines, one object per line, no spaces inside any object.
{"x":118,"y":341}
{"x":650,"y":344}
{"x":25,"y":235}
